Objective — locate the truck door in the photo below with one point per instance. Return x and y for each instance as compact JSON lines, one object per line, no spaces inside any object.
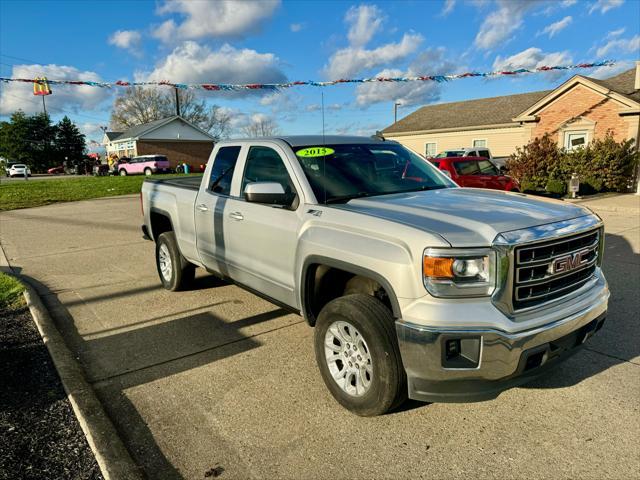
{"x":262,"y":239}
{"x":490,"y":175}
{"x":209,"y":209}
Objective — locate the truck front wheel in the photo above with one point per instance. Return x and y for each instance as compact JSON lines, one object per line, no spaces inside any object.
{"x":175,"y":272}
{"x":358,"y":356}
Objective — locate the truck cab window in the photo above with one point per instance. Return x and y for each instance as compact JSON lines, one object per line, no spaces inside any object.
{"x":265,"y":165}
{"x":222,"y":170}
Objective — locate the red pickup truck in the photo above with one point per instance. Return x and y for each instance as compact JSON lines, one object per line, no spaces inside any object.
{"x":477,"y":172}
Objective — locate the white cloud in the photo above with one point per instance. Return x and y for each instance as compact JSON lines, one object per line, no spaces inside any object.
{"x":499,"y":25}
{"x":65,"y":98}
{"x":194,"y":63}
{"x":620,"y":45}
{"x":128,"y":40}
{"x":351,"y":60}
{"x":296,"y":27}
{"x":364,"y":22}
{"x":534,"y":58}
{"x":222,"y":18}
{"x":430,"y":62}
{"x":605,"y":5}
{"x":556,"y":27}
{"x":616,"y":33}
{"x":568,"y":3}
{"x":448,"y":7}
{"x":606,"y":72}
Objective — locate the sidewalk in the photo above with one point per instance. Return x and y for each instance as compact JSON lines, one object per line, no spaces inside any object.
{"x":611,"y":202}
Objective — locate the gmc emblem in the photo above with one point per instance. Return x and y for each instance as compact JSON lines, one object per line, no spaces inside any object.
{"x":570,"y":262}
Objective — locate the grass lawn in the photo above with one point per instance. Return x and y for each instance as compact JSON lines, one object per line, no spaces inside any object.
{"x":10,"y":292}
{"x":28,"y":194}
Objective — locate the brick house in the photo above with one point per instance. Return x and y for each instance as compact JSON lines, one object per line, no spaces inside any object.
{"x":176,"y":138}
{"x":579,"y":110}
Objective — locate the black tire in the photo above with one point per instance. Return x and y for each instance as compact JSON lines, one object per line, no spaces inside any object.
{"x":375,"y":323}
{"x":148,"y":172}
{"x":182,"y":272}
{"x":122,"y":173}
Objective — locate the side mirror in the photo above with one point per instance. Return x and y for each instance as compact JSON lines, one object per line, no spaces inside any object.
{"x":270,"y":193}
{"x":502,"y":170}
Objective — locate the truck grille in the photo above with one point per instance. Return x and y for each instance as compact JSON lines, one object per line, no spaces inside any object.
{"x":549,"y":270}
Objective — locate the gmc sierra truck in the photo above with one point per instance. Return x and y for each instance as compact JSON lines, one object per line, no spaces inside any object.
{"x":415,"y":287}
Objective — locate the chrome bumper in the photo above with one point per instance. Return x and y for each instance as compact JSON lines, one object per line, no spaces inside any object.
{"x":505,"y":359}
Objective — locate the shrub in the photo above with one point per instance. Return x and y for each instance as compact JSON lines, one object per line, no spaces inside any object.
{"x":603,"y":165}
{"x":557,"y":187}
{"x":535,"y":162}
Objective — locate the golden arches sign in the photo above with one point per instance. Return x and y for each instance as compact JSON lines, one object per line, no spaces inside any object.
{"x":41,"y":86}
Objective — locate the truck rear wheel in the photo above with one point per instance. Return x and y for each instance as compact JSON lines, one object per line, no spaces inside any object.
{"x":175,"y":272}
{"x":358,"y":356}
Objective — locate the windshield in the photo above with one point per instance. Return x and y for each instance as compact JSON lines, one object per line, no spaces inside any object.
{"x":339,"y":173}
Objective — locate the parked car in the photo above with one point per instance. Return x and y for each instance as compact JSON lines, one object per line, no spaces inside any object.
{"x":56,"y":170}
{"x":466,"y":152}
{"x":144,"y":164}
{"x":414,"y":286}
{"x":18,"y":170}
{"x":8,"y":166}
{"x":477,"y":172}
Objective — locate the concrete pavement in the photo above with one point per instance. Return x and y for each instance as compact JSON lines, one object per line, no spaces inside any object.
{"x":217,"y":378}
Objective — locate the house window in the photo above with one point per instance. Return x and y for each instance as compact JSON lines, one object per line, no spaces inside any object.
{"x":430,"y":149}
{"x":480,"y":142}
{"x":574,"y":140}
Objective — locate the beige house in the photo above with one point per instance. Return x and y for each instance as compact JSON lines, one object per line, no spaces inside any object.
{"x":176,"y":138}
{"x":579,"y":110}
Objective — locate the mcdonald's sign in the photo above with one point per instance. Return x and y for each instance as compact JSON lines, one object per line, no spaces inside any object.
{"x":41,"y":86}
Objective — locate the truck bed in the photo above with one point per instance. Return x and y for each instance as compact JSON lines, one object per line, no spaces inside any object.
{"x":191,"y":182}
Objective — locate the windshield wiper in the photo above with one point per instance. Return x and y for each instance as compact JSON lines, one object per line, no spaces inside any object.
{"x":346,"y":198}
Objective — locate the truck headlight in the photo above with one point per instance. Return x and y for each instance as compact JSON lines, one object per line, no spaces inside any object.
{"x":452,"y":272}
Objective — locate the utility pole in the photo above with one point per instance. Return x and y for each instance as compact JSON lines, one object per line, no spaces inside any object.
{"x":44,"y":107}
{"x":395,"y":112}
{"x":177,"y":101}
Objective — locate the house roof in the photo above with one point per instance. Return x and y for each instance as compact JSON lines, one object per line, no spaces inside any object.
{"x":112,"y":135}
{"x":143,"y":128}
{"x":495,"y":110}
{"x":484,"y":111}
{"x":622,"y":83}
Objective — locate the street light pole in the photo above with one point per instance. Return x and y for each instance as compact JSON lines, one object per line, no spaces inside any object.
{"x":395,"y":112}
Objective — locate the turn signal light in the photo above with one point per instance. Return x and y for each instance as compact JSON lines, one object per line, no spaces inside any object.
{"x":438,"y":267}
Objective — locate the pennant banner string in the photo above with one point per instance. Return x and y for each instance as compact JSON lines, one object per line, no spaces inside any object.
{"x":278,"y":86}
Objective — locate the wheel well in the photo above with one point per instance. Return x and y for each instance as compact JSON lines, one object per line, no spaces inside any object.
{"x":324,"y":283}
{"x":160,"y":223}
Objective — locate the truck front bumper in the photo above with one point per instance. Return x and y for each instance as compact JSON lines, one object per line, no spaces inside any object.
{"x":494,"y":360}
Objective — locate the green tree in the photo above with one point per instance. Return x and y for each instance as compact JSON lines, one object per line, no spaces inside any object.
{"x":41,"y":142}
{"x":14,"y":135}
{"x":69,"y":142}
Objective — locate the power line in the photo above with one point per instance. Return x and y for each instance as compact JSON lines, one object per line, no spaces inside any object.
{"x":60,"y":110}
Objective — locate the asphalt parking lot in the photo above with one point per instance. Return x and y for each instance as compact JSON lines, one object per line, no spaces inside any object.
{"x":216,"y":378}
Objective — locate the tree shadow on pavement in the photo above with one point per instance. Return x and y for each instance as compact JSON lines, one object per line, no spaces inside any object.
{"x":118,"y":359}
{"x":619,"y":340}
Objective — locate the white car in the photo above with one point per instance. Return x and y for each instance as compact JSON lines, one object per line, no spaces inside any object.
{"x":19,"y":170}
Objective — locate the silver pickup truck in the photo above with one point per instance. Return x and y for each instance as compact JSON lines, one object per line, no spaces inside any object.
{"x":415,"y":287}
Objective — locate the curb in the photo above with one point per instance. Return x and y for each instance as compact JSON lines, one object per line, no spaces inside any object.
{"x":112,"y":456}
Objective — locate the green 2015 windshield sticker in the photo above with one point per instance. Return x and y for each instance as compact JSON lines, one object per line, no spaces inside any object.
{"x":315,"y":152}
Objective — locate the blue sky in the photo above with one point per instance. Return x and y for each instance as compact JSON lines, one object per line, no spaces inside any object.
{"x":243,"y":42}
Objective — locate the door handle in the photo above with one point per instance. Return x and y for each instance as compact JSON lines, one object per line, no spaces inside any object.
{"x":202,"y":207}
{"x":236,"y":216}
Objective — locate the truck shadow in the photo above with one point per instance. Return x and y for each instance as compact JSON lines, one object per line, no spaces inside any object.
{"x":118,"y":360}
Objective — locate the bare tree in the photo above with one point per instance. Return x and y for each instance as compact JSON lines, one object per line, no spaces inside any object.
{"x":262,"y":127}
{"x":139,"y":105}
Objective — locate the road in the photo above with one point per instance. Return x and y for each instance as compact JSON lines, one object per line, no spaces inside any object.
{"x":218,"y":378}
